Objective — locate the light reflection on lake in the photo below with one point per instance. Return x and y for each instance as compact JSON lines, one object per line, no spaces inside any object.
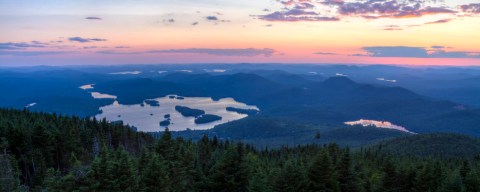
{"x":378,"y":124}
{"x":97,"y":95}
{"x":147,"y":118}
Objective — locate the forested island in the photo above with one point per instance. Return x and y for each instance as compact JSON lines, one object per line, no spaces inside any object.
{"x":207,"y":118}
{"x":152,"y":102}
{"x":48,"y":152}
{"x":189,"y":112}
{"x":243,"y":111}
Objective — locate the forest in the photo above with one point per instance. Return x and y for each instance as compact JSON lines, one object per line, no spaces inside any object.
{"x":49,"y":152}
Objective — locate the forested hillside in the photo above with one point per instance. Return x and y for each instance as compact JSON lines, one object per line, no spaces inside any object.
{"x":430,"y":145}
{"x":44,"y":152}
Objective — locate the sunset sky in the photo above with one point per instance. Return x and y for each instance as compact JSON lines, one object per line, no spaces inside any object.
{"x":412,"y":32}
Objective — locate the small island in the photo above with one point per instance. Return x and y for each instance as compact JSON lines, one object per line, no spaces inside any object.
{"x":243,"y":111}
{"x":153,"y":103}
{"x":165,"y":123}
{"x":189,"y":112}
{"x":207,"y":118}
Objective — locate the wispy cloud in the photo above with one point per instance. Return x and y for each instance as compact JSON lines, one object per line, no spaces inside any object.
{"x":171,"y":20}
{"x":93,"y":18}
{"x":415,"y":52}
{"x":439,"y":21}
{"x":473,"y":8}
{"x":336,"y":10}
{"x":212,"y":18}
{"x":112,"y":52}
{"x":216,"y":19}
{"x":325,"y":53}
{"x":85,"y":40}
{"x":392,"y":28}
{"x":290,"y":17}
{"x":248,"y":52}
{"x":22,"y":45}
{"x":32,"y":53}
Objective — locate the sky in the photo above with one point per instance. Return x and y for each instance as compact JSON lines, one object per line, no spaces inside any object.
{"x":109,"y":32}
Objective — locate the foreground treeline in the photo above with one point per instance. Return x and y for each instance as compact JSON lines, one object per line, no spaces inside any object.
{"x":42,"y":152}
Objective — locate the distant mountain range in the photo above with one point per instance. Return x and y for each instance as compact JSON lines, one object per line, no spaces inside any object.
{"x":294,"y":105}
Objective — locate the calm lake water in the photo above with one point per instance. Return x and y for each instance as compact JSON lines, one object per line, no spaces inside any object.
{"x":147,"y":118}
{"x":378,"y":124}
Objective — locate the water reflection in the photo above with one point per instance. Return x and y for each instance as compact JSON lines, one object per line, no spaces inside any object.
{"x":147,"y":118}
{"x":378,"y":124}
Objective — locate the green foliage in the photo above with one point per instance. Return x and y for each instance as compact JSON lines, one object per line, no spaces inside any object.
{"x":322,"y":175}
{"x":72,"y":154}
{"x":441,"y":145}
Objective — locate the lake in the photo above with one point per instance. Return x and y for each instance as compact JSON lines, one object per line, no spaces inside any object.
{"x":146,"y":117}
{"x":378,"y":124}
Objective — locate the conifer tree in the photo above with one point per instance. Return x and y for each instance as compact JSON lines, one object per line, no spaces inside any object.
{"x":346,"y":175}
{"x":454,"y":183}
{"x":155,"y":175}
{"x":390,"y":177}
{"x":229,"y":173}
{"x":472,"y":181}
{"x":292,"y":177}
{"x":322,"y":176}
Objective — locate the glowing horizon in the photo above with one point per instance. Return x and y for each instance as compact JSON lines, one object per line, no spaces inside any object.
{"x":221,"y":31}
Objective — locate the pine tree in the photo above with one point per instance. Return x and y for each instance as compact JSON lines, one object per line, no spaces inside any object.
{"x":98,"y":175}
{"x":8,"y":180}
{"x":122,"y":172}
{"x":258,"y":183}
{"x":321,"y":174}
{"x":229,"y":173}
{"x":464,"y":169}
{"x":472,"y":182}
{"x":390,"y":177}
{"x":346,"y":176}
{"x":454,"y":183}
{"x":155,"y":175}
{"x":292,"y":177}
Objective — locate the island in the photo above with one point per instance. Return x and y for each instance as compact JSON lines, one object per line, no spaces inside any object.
{"x":165,"y":123}
{"x":153,"y":103}
{"x":243,"y":111}
{"x":189,"y":112}
{"x":207,"y":118}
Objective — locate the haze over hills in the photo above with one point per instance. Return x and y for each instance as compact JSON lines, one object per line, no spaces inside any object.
{"x":316,"y":97}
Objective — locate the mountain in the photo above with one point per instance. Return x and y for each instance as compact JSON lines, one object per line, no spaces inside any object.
{"x":339,"y":99}
{"x":134,"y":91}
{"x":241,"y":86}
{"x":290,"y":96}
{"x":54,"y":92}
{"x":272,"y":132}
{"x":328,"y":103}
